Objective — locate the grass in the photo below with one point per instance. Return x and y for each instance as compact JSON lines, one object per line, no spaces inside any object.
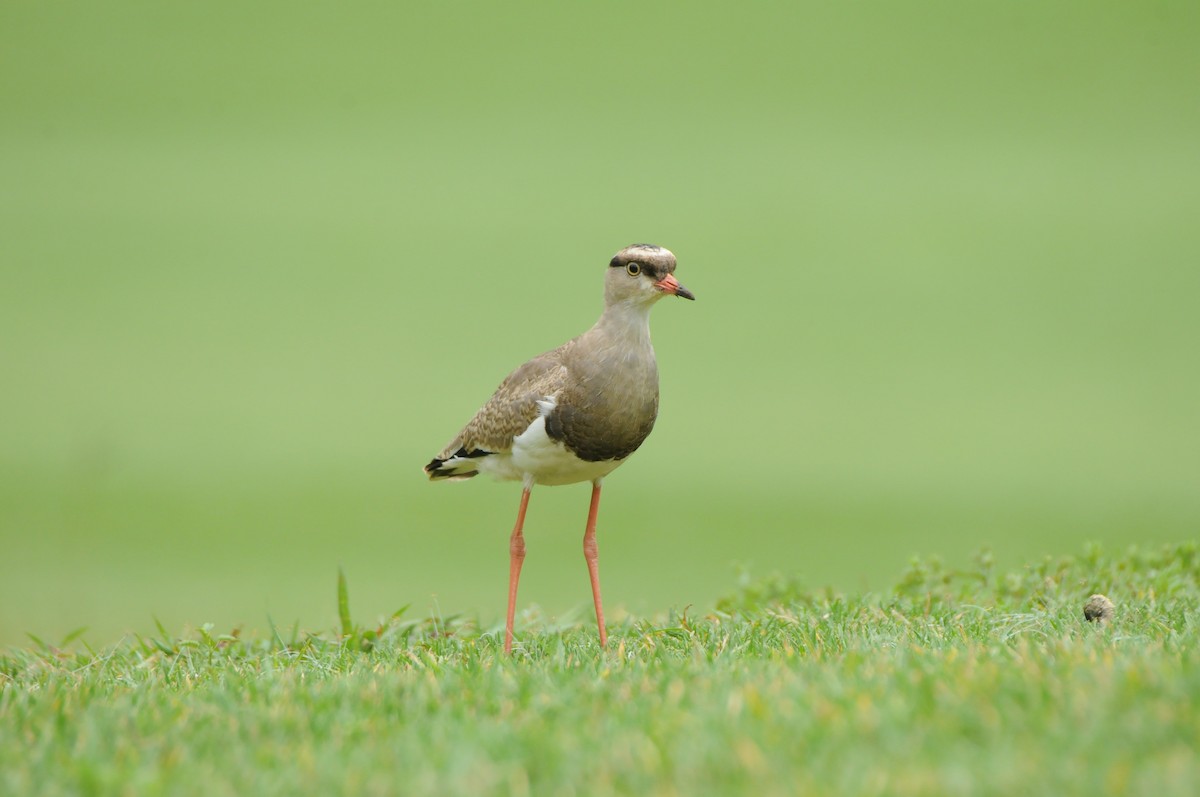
{"x":964,"y":682}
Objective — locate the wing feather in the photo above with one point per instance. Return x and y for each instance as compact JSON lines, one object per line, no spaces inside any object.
{"x":506,"y":414}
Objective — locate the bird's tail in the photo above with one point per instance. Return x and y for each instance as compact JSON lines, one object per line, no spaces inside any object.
{"x":459,"y":465}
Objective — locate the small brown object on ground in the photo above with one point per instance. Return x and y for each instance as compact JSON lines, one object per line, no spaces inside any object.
{"x":1098,"y":609}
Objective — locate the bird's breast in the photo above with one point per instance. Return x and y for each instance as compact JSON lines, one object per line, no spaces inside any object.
{"x":607,"y":413}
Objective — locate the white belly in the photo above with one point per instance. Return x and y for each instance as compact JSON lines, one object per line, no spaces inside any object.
{"x":546,"y":461}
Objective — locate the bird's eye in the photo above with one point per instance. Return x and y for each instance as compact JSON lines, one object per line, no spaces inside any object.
{"x":634,"y":269}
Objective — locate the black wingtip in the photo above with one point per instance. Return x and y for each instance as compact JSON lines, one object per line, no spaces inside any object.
{"x":436,"y":472}
{"x":436,"y":469}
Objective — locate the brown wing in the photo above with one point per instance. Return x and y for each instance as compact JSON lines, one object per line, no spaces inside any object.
{"x":506,"y":414}
{"x":513,"y":406}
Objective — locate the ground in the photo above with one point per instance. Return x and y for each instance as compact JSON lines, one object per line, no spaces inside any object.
{"x":972,"y":682}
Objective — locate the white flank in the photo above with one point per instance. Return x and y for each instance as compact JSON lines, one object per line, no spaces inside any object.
{"x":534,"y":455}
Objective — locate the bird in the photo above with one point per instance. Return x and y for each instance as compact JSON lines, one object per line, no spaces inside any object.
{"x":573,"y":414}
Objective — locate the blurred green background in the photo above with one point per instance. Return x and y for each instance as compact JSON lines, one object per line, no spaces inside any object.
{"x":261,"y":261}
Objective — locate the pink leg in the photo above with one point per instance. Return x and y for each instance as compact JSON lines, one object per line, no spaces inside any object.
{"x":516,"y":556}
{"x":591,"y":553}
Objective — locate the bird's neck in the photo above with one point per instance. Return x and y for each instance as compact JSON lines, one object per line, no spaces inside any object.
{"x":626,"y":323}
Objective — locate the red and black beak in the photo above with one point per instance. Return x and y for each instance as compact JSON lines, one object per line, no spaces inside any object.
{"x":669,"y":284}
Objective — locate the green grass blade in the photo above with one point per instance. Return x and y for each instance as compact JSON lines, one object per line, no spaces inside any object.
{"x":72,"y":636}
{"x":343,"y":599}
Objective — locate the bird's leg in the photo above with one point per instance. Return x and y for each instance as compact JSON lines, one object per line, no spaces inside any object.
{"x":516,"y":556}
{"x":591,"y":553}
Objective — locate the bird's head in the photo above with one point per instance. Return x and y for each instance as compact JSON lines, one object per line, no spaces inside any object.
{"x":642,"y":273}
